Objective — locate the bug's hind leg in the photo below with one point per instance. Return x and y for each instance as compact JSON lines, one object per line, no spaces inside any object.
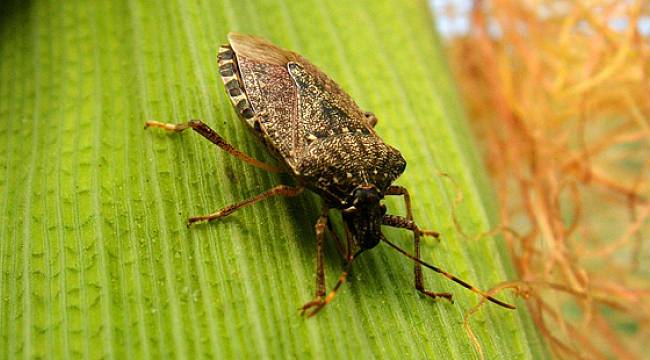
{"x":409,"y":224}
{"x":205,"y":131}
{"x":283,"y":190}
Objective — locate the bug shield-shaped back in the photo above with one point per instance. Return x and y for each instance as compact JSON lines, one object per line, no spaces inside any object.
{"x":364,"y":217}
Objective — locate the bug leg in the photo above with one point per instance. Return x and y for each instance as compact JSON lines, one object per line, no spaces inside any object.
{"x":283,"y":190}
{"x":320,"y":262}
{"x":408,"y":223}
{"x":404,"y":223}
{"x":400,"y":222}
{"x":319,"y":303}
{"x":205,"y":131}
{"x":371,"y":118}
{"x":419,"y":279}
{"x":320,"y":252}
{"x":401,"y":191}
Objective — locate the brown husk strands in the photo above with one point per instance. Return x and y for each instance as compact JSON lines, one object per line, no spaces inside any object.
{"x":559,"y":95}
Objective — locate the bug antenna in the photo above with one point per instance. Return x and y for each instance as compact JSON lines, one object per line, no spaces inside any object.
{"x":449,"y":276}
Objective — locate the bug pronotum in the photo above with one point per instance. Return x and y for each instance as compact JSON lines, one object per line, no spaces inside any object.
{"x":324,"y":140}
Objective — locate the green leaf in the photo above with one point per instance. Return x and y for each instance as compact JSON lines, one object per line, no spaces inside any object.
{"x":95,"y":256}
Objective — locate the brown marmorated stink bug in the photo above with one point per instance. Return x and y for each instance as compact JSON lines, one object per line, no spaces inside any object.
{"x":326,"y":142}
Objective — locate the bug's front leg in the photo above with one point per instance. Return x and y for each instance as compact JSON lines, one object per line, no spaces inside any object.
{"x":401,"y":222}
{"x":318,"y":302}
{"x":409,"y":224}
{"x":205,"y":131}
{"x":402,"y":191}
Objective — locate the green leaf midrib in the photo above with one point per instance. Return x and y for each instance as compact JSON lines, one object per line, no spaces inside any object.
{"x":95,"y":258}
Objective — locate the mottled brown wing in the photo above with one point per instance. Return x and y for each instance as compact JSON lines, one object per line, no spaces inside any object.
{"x":341,"y":150}
{"x":297,"y":102}
{"x":260,"y":50}
{"x":270,"y":90}
{"x":314,"y":126}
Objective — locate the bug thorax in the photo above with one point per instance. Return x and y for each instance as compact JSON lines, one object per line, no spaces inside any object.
{"x":364,"y":217}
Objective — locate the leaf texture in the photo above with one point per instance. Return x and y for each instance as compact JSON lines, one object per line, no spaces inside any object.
{"x":95,"y":256}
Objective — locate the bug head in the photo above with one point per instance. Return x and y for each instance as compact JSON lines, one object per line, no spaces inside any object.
{"x":364,"y":216}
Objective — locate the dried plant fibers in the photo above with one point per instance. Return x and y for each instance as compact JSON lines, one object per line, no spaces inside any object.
{"x":559,"y":94}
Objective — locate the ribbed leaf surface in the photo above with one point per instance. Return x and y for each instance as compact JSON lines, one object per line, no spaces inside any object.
{"x":95,"y":257}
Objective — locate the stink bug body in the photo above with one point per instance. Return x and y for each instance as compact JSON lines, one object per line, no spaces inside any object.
{"x":326,"y":142}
